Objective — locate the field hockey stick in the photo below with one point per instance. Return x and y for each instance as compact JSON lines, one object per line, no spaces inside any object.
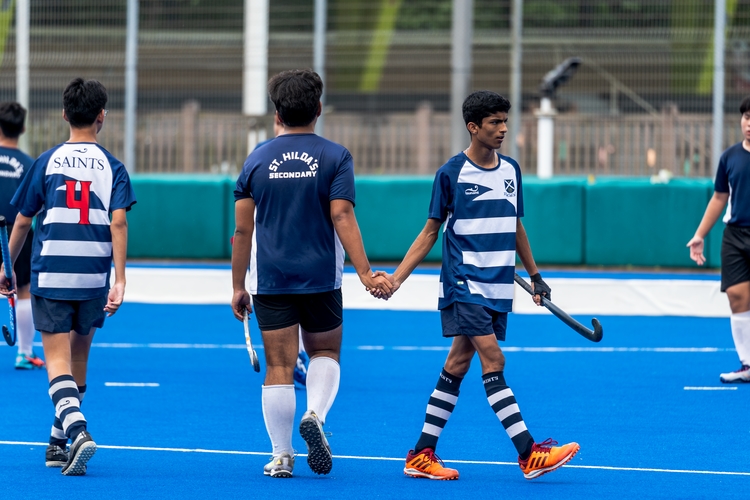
{"x":594,"y":335}
{"x":9,"y":332}
{"x":249,"y":344}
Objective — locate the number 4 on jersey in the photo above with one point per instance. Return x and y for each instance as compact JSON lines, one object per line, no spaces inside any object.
{"x":82,"y":203}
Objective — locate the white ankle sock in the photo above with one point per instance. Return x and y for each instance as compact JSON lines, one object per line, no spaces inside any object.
{"x":741,"y":334}
{"x":24,"y":327}
{"x":323,"y":377}
{"x":279,"y":405}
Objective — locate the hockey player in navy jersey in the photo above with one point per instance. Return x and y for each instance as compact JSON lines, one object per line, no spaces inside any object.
{"x":732,"y":191}
{"x":79,"y":193}
{"x":478,"y":197}
{"x":294,"y":211}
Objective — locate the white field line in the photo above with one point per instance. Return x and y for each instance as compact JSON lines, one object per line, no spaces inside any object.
{"x":688,"y":388}
{"x":551,"y":349}
{"x":131,"y":384}
{"x":391,"y":459}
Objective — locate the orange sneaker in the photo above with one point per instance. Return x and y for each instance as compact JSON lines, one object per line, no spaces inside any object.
{"x":546,"y":457}
{"x":427,"y":464}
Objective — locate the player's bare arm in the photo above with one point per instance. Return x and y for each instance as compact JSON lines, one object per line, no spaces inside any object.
{"x":244,"y":214}
{"x":523,"y":249}
{"x":715,"y":207}
{"x":119,"y":230}
{"x":345,"y":223}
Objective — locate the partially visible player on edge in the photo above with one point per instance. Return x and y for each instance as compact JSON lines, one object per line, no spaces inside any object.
{"x":14,"y":164}
{"x":295,"y":218}
{"x":732,"y":185}
{"x":477,"y":195}
{"x":79,"y":193}
{"x":303,"y":360}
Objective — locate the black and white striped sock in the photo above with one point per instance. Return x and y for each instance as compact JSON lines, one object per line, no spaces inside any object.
{"x":57,"y":436}
{"x":439,"y":408}
{"x":503,"y":403}
{"x":64,"y":393}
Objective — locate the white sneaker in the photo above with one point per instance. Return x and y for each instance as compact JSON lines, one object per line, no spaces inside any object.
{"x":741,"y":375}
{"x":279,"y":466}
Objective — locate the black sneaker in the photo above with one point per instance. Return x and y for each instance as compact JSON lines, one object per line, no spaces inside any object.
{"x":81,"y":451}
{"x":56,"y":456}
{"x":319,"y":456}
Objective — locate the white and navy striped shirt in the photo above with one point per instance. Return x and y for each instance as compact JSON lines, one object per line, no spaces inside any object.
{"x":73,"y":188}
{"x":480,"y":208}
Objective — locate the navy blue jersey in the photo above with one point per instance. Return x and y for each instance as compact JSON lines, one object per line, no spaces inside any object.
{"x":733,"y":177}
{"x":73,"y":188}
{"x":292,"y":180}
{"x":14,"y":164}
{"x":480,"y":209}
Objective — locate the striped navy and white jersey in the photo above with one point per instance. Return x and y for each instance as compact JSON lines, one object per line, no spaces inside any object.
{"x":733,"y":177}
{"x":480,"y":208}
{"x":72,"y":189}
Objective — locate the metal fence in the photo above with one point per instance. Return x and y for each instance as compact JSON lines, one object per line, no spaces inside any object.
{"x":388,"y":77}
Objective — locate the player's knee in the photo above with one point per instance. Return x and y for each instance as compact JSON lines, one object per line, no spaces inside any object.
{"x":739,"y":297}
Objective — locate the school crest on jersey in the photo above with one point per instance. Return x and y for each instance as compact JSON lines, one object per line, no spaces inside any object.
{"x":510,"y":187}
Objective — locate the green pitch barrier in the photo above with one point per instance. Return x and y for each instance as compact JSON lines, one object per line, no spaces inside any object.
{"x":570,"y":221}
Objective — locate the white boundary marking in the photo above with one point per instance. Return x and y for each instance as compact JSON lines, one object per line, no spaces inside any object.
{"x":552,"y":349}
{"x":390,"y":459}
{"x":689,"y":388}
{"x":131,"y":384}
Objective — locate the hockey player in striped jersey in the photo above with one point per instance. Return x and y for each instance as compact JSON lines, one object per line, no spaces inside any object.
{"x":478,"y":200}
{"x":79,"y":193}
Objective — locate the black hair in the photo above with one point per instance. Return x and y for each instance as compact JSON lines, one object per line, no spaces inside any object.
{"x":83,"y":100}
{"x":296,"y":95}
{"x":745,"y":105}
{"x":481,"y":104}
{"x":12,"y":118}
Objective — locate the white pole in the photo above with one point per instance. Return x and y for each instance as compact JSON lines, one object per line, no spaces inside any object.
{"x":461,"y":39}
{"x":545,"y":139}
{"x":515,"y":76}
{"x":319,"y":56}
{"x":131,"y":84}
{"x":720,"y":15}
{"x":255,"y":63}
{"x":23,"y":19}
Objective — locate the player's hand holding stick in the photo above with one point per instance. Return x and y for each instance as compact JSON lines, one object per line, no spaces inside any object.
{"x":9,"y":332}
{"x":594,"y":335}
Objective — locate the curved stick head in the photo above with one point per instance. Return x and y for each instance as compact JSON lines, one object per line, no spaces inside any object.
{"x":8,"y":337}
{"x":598,"y":330}
{"x":254,"y":360}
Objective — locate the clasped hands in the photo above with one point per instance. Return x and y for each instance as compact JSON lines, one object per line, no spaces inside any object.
{"x":380,"y":284}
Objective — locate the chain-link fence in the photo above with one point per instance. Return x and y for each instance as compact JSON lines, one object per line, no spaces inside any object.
{"x":641,"y":100}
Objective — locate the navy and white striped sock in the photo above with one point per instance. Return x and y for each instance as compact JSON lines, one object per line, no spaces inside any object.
{"x":64,"y":393}
{"x":503,"y":403}
{"x":57,"y":436}
{"x":439,"y":408}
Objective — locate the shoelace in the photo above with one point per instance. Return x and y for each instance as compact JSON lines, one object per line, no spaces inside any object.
{"x":545,"y":445}
{"x":432,"y":457}
{"x":742,"y":369}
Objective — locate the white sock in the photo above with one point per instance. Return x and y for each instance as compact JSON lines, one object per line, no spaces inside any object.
{"x":24,"y":327}
{"x":279,"y":405}
{"x":741,"y":334}
{"x":323,"y":377}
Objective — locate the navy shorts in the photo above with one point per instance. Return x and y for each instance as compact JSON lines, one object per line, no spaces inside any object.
{"x":735,"y":256}
{"x":22,"y":267}
{"x":473,"y":320}
{"x":315,"y":312}
{"x":62,"y":316}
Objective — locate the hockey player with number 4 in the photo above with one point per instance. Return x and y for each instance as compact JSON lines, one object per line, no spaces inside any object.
{"x":732,"y":187}
{"x":477,"y":196}
{"x":79,"y":193}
